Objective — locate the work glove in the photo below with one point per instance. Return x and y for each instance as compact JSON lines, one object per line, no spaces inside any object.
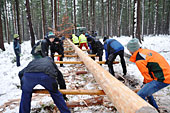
{"x":65,"y":98}
{"x":62,"y":55}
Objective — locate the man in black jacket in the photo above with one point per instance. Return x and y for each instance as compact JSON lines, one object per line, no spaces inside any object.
{"x":41,"y":48}
{"x":57,"y":46}
{"x":42,"y":71}
{"x":96,"y":47}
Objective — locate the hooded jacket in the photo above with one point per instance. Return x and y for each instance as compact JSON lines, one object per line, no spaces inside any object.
{"x":151,"y":65}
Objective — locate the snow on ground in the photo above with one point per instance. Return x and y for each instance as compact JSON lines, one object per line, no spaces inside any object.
{"x":10,"y":80}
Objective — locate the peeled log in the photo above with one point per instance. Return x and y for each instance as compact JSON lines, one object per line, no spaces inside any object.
{"x":81,"y":62}
{"x":81,"y":72}
{"x":91,"y":55}
{"x":71,"y":51}
{"x":86,"y":103}
{"x":124,"y":99}
{"x":72,"y":92}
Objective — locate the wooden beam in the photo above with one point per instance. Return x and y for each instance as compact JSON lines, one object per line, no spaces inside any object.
{"x":71,"y":51}
{"x":124,"y":99}
{"x":72,"y":92}
{"x":90,"y":55}
{"x":81,"y":62}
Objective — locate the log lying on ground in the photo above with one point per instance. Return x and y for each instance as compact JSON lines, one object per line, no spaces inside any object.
{"x":86,"y":102}
{"x":72,"y":92}
{"x":81,"y":62}
{"x":81,"y":72}
{"x":124,"y":99}
{"x":91,"y":55}
{"x":71,"y":51}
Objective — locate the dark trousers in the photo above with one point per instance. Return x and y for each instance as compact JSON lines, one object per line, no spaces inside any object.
{"x":30,"y":80}
{"x":61,"y":58}
{"x":100,"y":54}
{"x":18,"y":60}
{"x":112,"y":57}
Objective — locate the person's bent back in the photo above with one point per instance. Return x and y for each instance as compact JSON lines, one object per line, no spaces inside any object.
{"x":42,"y":71}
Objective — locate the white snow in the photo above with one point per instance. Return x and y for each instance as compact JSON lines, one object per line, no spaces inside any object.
{"x":10,"y":80}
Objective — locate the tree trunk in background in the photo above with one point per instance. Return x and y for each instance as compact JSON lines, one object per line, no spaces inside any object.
{"x":58,"y":10}
{"x":156,"y":17}
{"x":91,"y":14}
{"x":108,"y":18}
{"x":130,"y":17}
{"x":87,"y":15}
{"x":83,"y":19}
{"x":134,"y":19}
{"x":52,"y":14}
{"x":118,"y":18}
{"x":148,"y":21}
{"x":102,"y":18}
{"x":7,"y":26}
{"x":1,"y":32}
{"x":111,"y":17}
{"x":143,"y":15}
{"x":138,"y":21}
{"x":30,"y":23}
{"x":18,"y":21}
{"x":43,"y":16}
{"x":163,"y":18}
{"x":75,"y":14}
{"x":55,"y":14}
{"x":4,"y":23}
{"x":14,"y":15}
{"x":23,"y":27}
{"x":94,"y":16}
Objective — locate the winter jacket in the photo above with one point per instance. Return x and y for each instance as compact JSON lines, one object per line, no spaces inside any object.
{"x":112,"y":46}
{"x":82,"y":39}
{"x":17,"y":47}
{"x":57,"y":47}
{"x":75,"y":39}
{"x":151,"y":65}
{"x":96,"y":46}
{"x":45,"y":46}
{"x":47,"y":66}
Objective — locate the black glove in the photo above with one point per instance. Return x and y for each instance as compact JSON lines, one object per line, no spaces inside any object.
{"x":65,"y":98}
{"x":62,"y":55}
{"x":106,"y":62}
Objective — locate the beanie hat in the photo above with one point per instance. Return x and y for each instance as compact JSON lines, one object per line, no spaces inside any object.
{"x":51,"y":35}
{"x":105,"y":38}
{"x":133,"y":45}
{"x":16,"y":35}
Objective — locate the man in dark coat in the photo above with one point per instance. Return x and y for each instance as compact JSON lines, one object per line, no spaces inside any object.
{"x":17,"y":49}
{"x":42,"y":71}
{"x":96,"y":47}
{"x":41,"y":48}
{"x":112,"y":49}
{"x":57,"y":46}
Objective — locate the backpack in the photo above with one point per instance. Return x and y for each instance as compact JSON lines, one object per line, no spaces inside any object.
{"x":36,"y":50}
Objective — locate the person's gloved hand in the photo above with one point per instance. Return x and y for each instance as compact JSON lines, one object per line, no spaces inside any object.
{"x":62,"y":55}
{"x":65,"y":98}
{"x":106,"y":62}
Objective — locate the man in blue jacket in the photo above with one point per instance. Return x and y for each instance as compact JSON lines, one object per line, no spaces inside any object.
{"x":112,"y":49}
{"x":42,"y":71}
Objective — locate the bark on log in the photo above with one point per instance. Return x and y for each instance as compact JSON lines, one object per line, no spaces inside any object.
{"x":72,"y":92}
{"x":81,"y":62}
{"x":124,"y":99}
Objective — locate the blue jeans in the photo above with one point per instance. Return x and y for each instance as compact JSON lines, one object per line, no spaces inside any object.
{"x":150,"y":88}
{"x":18,"y":60}
{"x":30,"y":80}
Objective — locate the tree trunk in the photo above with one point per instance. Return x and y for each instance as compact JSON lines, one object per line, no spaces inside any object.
{"x":163,"y":17}
{"x":7,"y":26}
{"x":143,"y":12}
{"x":130,"y":17}
{"x":91,"y":14}
{"x":18,"y":20}
{"x":30,"y":23}
{"x":118,"y":18}
{"x":134,"y":19}
{"x":108,"y":18}
{"x":87,"y":15}
{"x":83,"y":19}
{"x":52,"y":14}
{"x":43,"y":16}
{"x":58,"y":10}
{"x":155,"y":19}
{"x":94,"y":16}
{"x":75,"y":15}
{"x":55,"y":14}
{"x":102,"y":18}
{"x":23,"y":27}
{"x":138,"y":21}
{"x":1,"y":32}
{"x":111,"y":19}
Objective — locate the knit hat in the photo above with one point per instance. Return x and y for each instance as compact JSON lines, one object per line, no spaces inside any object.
{"x":51,"y":35}
{"x":105,"y":38}
{"x":16,"y":35}
{"x":133,"y":45}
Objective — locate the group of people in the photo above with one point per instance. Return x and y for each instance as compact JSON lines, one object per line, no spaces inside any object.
{"x":42,"y":70}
